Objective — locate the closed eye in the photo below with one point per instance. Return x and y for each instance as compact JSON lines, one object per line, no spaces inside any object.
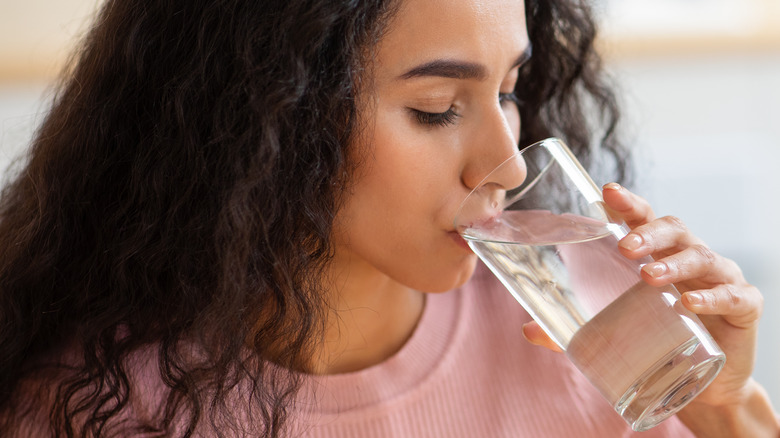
{"x":435,"y":119}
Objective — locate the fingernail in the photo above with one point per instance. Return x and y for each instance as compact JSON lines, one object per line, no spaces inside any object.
{"x":656,"y":269}
{"x":694,"y":298}
{"x":631,"y":242}
{"x":612,"y":186}
{"x":525,"y":327}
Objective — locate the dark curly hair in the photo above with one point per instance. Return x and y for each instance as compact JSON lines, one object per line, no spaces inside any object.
{"x":179,"y":196}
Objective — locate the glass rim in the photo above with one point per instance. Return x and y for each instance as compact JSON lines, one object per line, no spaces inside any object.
{"x":528,"y":185}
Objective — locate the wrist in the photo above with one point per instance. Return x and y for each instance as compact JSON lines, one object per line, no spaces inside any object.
{"x":750,"y":416}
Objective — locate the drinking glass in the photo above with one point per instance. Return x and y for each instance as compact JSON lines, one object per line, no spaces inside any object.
{"x":553,"y":243}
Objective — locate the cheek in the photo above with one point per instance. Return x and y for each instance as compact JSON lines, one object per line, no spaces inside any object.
{"x":396,"y":218}
{"x":400,"y":236}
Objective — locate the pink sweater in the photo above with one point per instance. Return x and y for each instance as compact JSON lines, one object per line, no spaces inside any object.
{"x":465,"y":372}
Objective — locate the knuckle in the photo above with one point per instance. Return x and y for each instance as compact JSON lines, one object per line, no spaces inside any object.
{"x":648,"y":231}
{"x":736,"y":269}
{"x":759,"y":300}
{"x":704,"y":252}
{"x":758,"y":294}
{"x":731,"y":296}
{"x":675,"y":222}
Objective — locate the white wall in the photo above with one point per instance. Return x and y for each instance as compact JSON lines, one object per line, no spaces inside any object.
{"x":700,"y":81}
{"x":707,"y":133}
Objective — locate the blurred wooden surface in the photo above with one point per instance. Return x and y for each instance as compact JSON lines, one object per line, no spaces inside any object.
{"x":36,"y":36}
{"x":638,"y":28}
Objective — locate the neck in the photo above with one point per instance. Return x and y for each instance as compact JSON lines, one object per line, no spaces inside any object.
{"x":370,"y":317}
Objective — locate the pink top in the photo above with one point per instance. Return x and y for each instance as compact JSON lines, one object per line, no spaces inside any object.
{"x":465,"y":372}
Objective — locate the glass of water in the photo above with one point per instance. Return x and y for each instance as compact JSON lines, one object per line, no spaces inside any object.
{"x":553,"y":243}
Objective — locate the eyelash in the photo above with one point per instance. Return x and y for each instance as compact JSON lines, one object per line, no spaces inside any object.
{"x":508,"y":97}
{"x":448,"y":117}
{"x":436,"y":119}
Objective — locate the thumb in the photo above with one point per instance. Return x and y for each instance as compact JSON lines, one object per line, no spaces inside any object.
{"x":536,"y":335}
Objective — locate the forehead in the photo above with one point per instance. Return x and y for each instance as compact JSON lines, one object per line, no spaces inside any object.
{"x":484,"y":31}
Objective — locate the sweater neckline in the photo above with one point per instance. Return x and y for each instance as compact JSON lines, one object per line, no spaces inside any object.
{"x":407,"y":371}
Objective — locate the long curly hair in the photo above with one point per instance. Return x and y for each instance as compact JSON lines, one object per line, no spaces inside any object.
{"x":178,"y":199}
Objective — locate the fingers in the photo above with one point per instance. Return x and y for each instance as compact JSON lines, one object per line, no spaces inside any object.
{"x":696,"y":262}
{"x":634,"y":209}
{"x":664,"y":234}
{"x":649,"y":235}
{"x":536,"y":335}
{"x":715,"y":285}
{"x":739,"y":306}
{"x":679,"y":255}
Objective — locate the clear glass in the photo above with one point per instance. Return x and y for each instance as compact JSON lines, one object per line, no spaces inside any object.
{"x":553,"y":243}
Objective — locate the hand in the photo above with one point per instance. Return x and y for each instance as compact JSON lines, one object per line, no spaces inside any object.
{"x":711,"y":286}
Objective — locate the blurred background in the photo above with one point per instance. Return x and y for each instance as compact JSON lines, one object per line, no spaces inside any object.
{"x":700,"y":85}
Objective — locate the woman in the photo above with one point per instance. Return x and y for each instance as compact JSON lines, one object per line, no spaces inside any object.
{"x":227,"y":221}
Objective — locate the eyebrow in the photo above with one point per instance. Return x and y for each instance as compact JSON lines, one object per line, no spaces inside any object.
{"x":447,"y":68}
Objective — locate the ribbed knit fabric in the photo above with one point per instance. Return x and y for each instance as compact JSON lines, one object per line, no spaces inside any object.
{"x":465,"y":372}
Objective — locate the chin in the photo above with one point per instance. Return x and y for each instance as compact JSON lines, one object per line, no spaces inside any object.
{"x":455,"y":277}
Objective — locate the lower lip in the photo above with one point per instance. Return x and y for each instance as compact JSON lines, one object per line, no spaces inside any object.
{"x":460,"y":241}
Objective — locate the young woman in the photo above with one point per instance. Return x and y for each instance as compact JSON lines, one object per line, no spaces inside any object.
{"x":237,"y":214}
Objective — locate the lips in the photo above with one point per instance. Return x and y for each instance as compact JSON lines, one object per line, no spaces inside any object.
{"x":459,"y":240}
{"x":481,"y":209}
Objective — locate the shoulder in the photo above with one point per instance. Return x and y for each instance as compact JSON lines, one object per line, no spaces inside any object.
{"x":61,"y":395}
{"x":26,"y":413}
{"x":29,"y":409}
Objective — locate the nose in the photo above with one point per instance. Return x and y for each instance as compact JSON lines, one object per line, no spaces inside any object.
{"x":493,"y":157}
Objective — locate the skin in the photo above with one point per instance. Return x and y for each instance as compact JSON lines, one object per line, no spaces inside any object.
{"x":394,"y":238}
{"x":712,"y":286}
